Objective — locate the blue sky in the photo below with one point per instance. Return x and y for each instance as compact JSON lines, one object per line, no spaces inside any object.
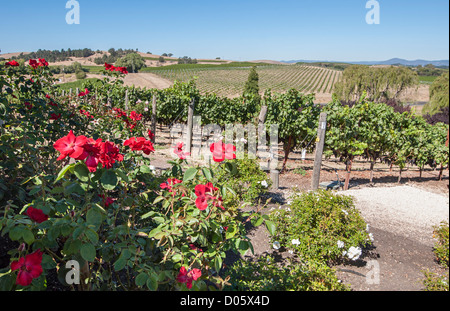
{"x":237,"y":30}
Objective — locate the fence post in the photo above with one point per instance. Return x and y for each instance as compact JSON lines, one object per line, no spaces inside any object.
{"x":319,"y":151}
{"x":274,"y":173}
{"x":126,"y":100}
{"x":190,"y":126}
{"x":154,"y":118}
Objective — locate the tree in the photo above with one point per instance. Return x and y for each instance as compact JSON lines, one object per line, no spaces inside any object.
{"x":252,"y":84}
{"x":162,"y":59}
{"x":133,"y":62}
{"x":379,"y":83}
{"x":439,"y":98}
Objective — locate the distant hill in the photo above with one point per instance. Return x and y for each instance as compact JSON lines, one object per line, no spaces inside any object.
{"x":393,"y":61}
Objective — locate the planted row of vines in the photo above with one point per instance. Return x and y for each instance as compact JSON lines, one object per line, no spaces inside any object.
{"x":279,"y":78}
{"x":372,"y":131}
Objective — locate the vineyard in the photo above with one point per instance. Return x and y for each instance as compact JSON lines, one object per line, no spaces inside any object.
{"x":77,"y":182}
{"x":279,"y":78}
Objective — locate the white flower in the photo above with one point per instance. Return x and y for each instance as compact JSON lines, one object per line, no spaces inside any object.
{"x":264,"y":184}
{"x":288,"y":209}
{"x":340,"y":244}
{"x":367,"y":228}
{"x":244,"y":140}
{"x":295,"y":242}
{"x":354,"y":253}
{"x":371,"y":237}
{"x":291,"y":252}
{"x":276,"y":245}
{"x":344,"y":211}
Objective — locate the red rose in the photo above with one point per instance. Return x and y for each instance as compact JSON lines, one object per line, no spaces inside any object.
{"x":29,"y":268}
{"x":33,"y":63}
{"x":36,"y":215}
{"x":43,"y":62}
{"x":12,"y":63}
{"x":140,"y":144}
{"x":55,"y":116}
{"x":187,"y":277}
{"x":179,"y":151}
{"x":221,"y":151}
{"x":71,"y":146}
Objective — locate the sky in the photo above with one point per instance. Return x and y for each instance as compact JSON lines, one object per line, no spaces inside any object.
{"x":236,"y":29}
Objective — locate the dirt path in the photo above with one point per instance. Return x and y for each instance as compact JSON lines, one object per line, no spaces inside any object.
{"x":147,"y":80}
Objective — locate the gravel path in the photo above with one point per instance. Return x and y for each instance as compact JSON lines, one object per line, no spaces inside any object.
{"x":403,"y":210}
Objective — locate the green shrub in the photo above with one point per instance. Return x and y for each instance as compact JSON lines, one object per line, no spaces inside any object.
{"x":249,"y":182}
{"x":80,"y":75}
{"x":321,"y":225}
{"x":441,"y":246}
{"x":434,"y":282}
{"x":267,"y":275}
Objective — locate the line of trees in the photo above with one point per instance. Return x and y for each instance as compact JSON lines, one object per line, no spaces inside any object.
{"x":55,"y":55}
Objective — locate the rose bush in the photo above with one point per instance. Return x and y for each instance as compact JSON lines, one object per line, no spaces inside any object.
{"x":79,"y":187}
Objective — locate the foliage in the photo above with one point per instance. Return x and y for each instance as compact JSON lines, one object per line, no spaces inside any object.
{"x":248,"y":183}
{"x":264,"y":274}
{"x":186,"y":60}
{"x":441,"y":248}
{"x":104,"y":207}
{"x":296,"y":115}
{"x":439,"y":96}
{"x":80,"y":75}
{"x":252,"y":84}
{"x":379,"y":83}
{"x":132,"y":61}
{"x":320,"y":226}
{"x":434,"y":282}
{"x":56,"y":56}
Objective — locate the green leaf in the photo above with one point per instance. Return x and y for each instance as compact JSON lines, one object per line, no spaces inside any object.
{"x":177,"y":257}
{"x":88,"y":252}
{"x":271,"y":227}
{"x":231,"y":232}
{"x":152,"y":283}
{"x":94,"y":217}
{"x":73,"y":188}
{"x":109,"y":180}
{"x":28,"y":236}
{"x":63,"y":172}
{"x":81,"y":172}
{"x":91,"y":235}
{"x":218,"y":263}
{"x":141,"y":279}
{"x":120,"y":263}
{"x":207,"y":173}
{"x":16,"y":233}
{"x":190,"y":174}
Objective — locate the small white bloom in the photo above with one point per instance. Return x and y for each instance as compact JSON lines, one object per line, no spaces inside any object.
{"x":291,"y":252}
{"x":295,"y":242}
{"x":367,"y":228}
{"x":371,"y":237}
{"x":152,"y":167}
{"x":244,"y":140}
{"x":354,"y":253}
{"x":344,"y":211}
{"x":340,"y":244}
{"x":276,"y":245}
{"x":264,"y":184}
{"x":288,"y":209}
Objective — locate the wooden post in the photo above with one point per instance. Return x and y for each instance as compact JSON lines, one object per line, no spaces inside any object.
{"x":319,"y":151}
{"x":190,"y":125}
{"x":126,"y":100}
{"x":154,"y":117}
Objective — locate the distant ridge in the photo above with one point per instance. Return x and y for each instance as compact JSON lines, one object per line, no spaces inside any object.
{"x":393,"y":61}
